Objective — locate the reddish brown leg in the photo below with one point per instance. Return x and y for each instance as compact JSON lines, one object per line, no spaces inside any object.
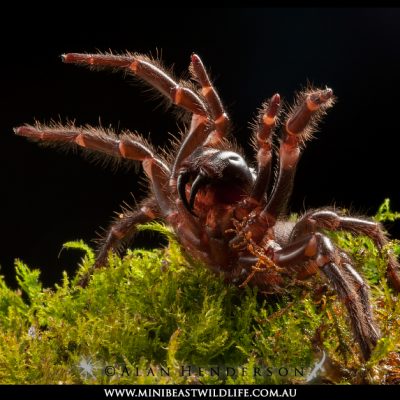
{"x":129,"y":146}
{"x":318,"y":252}
{"x":218,"y":115}
{"x":297,"y":129}
{"x":207,"y":132}
{"x":147,"y":69}
{"x":363,"y":291}
{"x":326,"y":219}
{"x":126,"y":145}
{"x":264,"y":127}
{"x":365,"y":332}
{"x":155,"y":75}
{"x":180,"y":94}
{"x":121,"y":230}
{"x":198,"y":132}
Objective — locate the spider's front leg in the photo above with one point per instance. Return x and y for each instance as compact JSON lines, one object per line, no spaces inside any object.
{"x":262,"y":138}
{"x":129,"y":146}
{"x":297,"y":128}
{"x":218,"y":115}
{"x":209,"y":120}
{"x":147,"y":69}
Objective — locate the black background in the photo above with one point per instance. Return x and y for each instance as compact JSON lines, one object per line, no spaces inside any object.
{"x":49,"y":197}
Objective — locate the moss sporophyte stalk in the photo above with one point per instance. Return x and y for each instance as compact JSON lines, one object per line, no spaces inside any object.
{"x":157,"y":317}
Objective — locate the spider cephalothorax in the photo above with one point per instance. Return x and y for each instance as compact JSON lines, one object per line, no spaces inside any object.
{"x":224,"y":212}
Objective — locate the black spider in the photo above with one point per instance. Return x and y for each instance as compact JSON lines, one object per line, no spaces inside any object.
{"x":217,"y":205}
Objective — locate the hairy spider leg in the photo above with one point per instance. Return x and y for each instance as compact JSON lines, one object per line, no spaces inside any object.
{"x":146,"y":69}
{"x":318,"y":253}
{"x":120,"y":231}
{"x":262,"y":137}
{"x":328,"y":219}
{"x":127,"y":145}
{"x":218,"y":115}
{"x":296,"y":130}
{"x":208,"y":132}
{"x":175,"y":214}
{"x":363,"y":290}
{"x":179,"y":93}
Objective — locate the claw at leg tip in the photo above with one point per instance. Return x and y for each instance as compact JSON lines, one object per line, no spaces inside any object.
{"x":21,"y":130}
{"x":67,"y":57}
{"x":195,"y":57}
{"x":273,"y":106}
{"x":276,"y":98}
{"x":328,"y":93}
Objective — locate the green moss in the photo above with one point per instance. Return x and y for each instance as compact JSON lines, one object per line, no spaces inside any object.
{"x":153,"y":317}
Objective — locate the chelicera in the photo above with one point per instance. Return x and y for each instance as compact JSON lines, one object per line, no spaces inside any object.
{"x":228,"y":215}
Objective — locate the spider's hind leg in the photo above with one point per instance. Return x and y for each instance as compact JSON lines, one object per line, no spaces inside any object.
{"x":362,"y":289}
{"x":314,"y":251}
{"x":120,"y":231}
{"x":330,"y":220}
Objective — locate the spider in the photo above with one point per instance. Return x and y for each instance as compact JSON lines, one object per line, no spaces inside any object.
{"x":223,"y":212}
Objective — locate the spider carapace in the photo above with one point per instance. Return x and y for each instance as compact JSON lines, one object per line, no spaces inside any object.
{"x":225,"y":213}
